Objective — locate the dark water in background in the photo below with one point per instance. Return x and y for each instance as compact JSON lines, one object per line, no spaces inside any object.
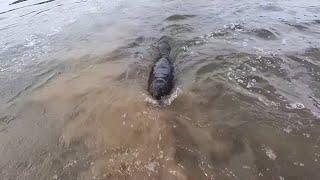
{"x":73,"y":90}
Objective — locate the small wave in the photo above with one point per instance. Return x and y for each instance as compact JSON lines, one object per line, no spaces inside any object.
{"x":270,"y":7}
{"x":40,"y":3}
{"x":18,"y":1}
{"x":178,"y":17}
{"x":43,"y":2}
{"x":175,"y":29}
{"x":264,"y":34}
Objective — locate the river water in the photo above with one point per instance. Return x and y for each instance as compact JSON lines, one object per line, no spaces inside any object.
{"x":74,"y":104}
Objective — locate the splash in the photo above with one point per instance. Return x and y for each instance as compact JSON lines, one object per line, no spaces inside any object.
{"x":166,"y":101}
{"x":151,"y":101}
{"x":172,"y":97}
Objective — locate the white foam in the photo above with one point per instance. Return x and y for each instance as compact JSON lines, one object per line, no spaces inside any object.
{"x":270,"y":153}
{"x":153,"y":166}
{"x":296,"y":106}
{"x":287,"y":129}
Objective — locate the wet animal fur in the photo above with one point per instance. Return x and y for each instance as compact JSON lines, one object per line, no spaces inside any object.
{"x":161,"y":77}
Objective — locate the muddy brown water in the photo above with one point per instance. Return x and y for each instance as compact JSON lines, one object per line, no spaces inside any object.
{"x":74,"y":104}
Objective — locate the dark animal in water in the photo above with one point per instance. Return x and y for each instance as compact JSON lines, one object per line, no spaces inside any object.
{"x":161,"y":76}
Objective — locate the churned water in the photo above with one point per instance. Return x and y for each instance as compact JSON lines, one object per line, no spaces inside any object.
{"x":74,"y":104}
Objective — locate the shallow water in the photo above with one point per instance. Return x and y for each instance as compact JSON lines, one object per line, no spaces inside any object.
{"x":74,"y":103}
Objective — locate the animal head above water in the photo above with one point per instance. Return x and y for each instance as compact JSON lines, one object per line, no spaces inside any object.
{"x":159,"y":88}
